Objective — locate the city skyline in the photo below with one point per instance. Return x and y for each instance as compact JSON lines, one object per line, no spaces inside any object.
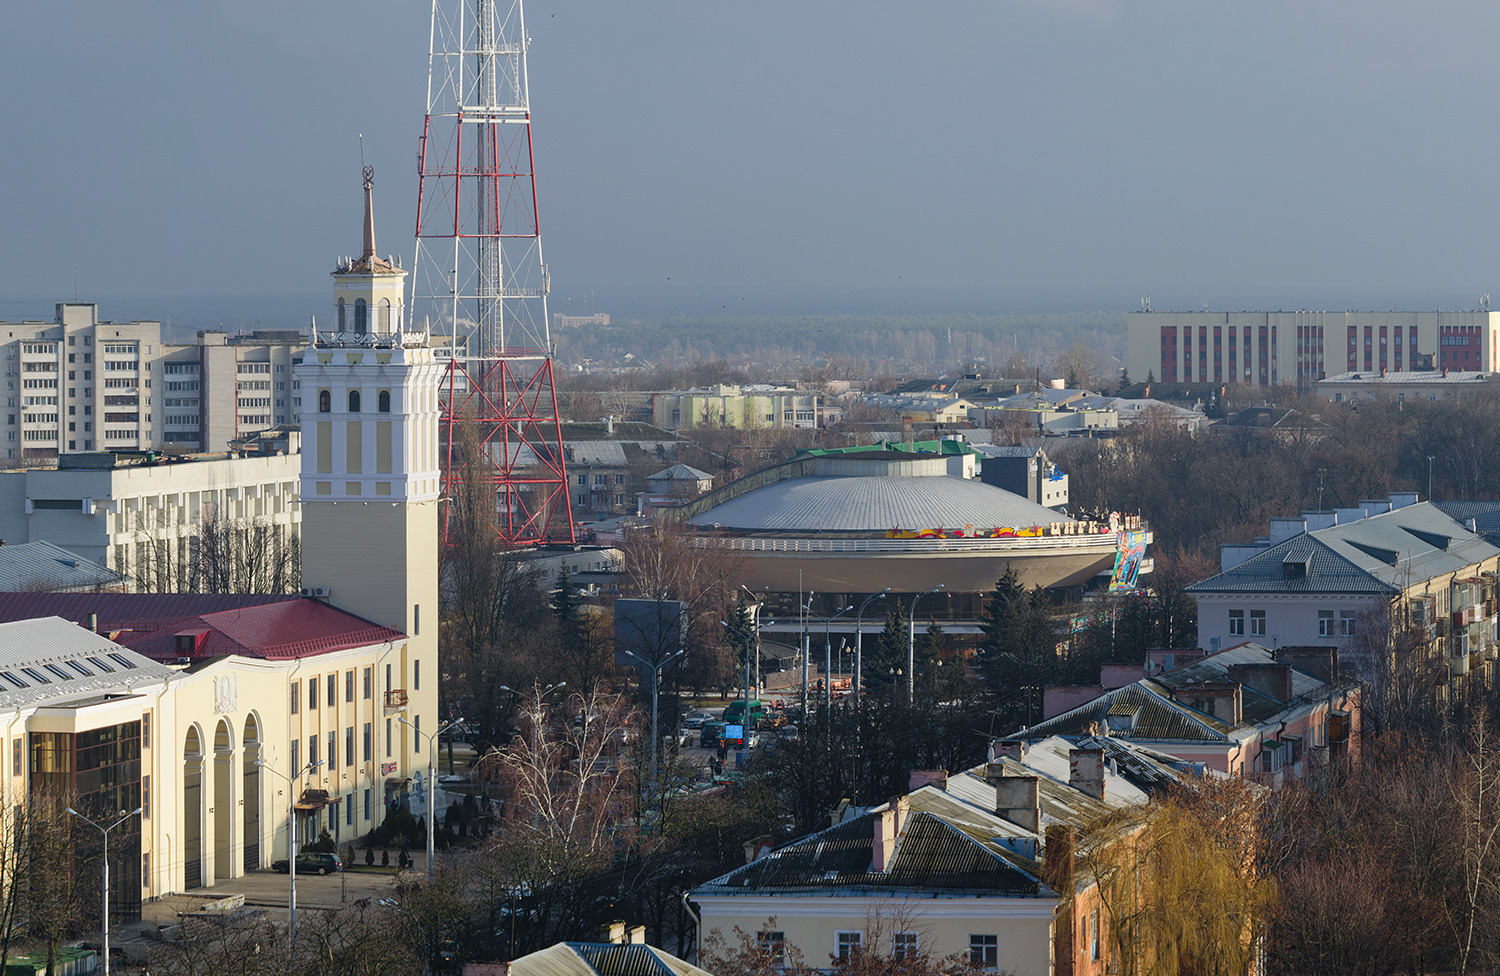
{"x":702,"y":160}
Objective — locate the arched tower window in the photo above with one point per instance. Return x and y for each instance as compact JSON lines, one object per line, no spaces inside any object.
{"x":383,"y":321}
{"x":325,"y":402}
{"x":361,"y":316}
{"x":383,"y":401}
{"x":341,"y":315}
{"x":354,"y":401}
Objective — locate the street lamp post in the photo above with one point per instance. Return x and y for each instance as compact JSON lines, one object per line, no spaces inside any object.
{"x":291,"y":838}
{"x":828,"y":656}
{"x":806,"y":607}
{"x":655,"y":688}
{"x":757,"y":603}
{"x":105,"y":893}
{"x":432,"y":741}
{"x":859,"y":644}
{"x":911,"y":644}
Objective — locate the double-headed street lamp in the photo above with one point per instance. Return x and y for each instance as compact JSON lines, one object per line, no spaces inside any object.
{"x":859,"y":643}
{"x":828,"y":656}
{"x":291,"y":836}
{"x":432,"y":742}
{"x":911,"y":644}
{"x":806,"y":647}
{"x":105,"y":832}
{"x":655,"y":697}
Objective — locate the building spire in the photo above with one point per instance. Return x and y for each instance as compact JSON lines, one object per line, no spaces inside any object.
{"x":369,"y":255}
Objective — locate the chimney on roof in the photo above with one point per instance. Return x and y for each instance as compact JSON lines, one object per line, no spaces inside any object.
{"x":884,"y":847}
{"x":927,"y":777}
{"x":1007,"y":749}
{"x":1057,"y":861}
{"x":93,"y":622}
{"x":1019,"y":800}
{"x":1086,"y":771}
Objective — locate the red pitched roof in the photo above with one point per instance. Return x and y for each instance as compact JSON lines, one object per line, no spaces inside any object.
{"x":272,"y":627}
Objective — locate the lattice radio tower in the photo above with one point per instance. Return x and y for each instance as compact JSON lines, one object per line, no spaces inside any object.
{"x":480,"y":279}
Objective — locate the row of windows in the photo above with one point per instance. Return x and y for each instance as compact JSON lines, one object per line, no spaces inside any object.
{"x":600,"y":479}
{"x":253,"y":368}
{"x":123,"y":350}
{"x":119,"y":365}
{"x":172,"y":385}
{"x":39,"y":349}
{"x":1330,"y":623}
{"x":39,"y":384}
{"x":184,"y":420}
{"x":181,"y":402}
{"x":325,"y":401}
{"x":118,"y":384}
{"x":984,"y":949}
{"x":243,"y":385}
{"x":170,"y":368}
{"x":119,"y":435}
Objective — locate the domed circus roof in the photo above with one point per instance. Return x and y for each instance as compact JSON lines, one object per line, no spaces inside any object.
{"x":876,"y":504}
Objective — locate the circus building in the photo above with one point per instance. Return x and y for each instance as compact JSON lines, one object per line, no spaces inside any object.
{"x":846,"y":524}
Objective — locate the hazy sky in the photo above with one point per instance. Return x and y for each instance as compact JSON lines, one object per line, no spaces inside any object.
{"x":1057,"y":154}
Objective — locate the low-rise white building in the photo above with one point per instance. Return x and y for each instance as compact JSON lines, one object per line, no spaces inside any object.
{"x":142,"y":514}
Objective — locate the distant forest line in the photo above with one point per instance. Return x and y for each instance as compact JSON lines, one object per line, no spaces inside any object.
{"x":866,"y":345}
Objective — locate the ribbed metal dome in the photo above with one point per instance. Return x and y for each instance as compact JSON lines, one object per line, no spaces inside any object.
{"x":876,"y":504}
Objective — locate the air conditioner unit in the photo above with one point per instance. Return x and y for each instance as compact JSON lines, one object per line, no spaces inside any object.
{"x":307,"y":591}
{"x":321,"y":592}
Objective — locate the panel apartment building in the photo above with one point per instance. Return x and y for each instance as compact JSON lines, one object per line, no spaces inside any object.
{"x":1267,"y":348}
{"x":79,"y":384}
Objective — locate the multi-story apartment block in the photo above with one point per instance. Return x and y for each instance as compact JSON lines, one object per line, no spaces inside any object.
{"x":79,"y":384}
{"x":1266,"y":348}
{"x":737,"y":406}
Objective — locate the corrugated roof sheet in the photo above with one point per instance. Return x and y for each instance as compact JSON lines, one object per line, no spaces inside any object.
{"x":876,"y":504}
{"x":602,"y":959}
{"x":91,"y":667}
{"x":44,"y":566}
{"x":264,"y":626}
{"x":1378,"y":554}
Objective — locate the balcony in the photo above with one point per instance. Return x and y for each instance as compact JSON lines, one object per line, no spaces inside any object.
{"x":395,"y":698}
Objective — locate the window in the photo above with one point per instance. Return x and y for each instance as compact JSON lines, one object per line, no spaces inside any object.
{"x":387,"y":738}
{"x":1258,"y":622}
{"x":367,"y":683}
{"x":367,"y":753}
{"x":416,"y":676}
{"x":416,"y":740}
{"x":1346,"y":623}
{"x":984,"y":950}
{"x":349,"y":811}
{"x":312,"y":693}
{"x":145,"y":869}
{"x":354,"y":401}
{"x":312,"y":750}
{"x":333,"y":690}
{"x":904,"y":946}
{"x":145,"y":797}
{"x":1325,"y":623}
{"x":361,"y":315}
{"x":349,"y":685}
{"x":333,"y":750}
{"x":145,"y":730}
{"x":342,"y":316}
{"x":1094,"y":934}
{"x":846,"y":945}
{"x":416,"y":619}
{"x":325,"y":401}
{"x":387,"y":678}
{"x":296,"y":758}
{"x":1236,"y":622}
{"x":349,"y":746}
{"x":383,"y":401}
{"x":368,"y":811}
{"x":773,"y":944}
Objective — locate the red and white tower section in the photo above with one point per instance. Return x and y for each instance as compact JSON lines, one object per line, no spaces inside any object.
{"x":480,"y":282}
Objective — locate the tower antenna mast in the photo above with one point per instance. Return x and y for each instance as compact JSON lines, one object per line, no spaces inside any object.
{"x":480,"y":280}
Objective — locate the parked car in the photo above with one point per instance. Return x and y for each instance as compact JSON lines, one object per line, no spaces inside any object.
{"x":310,"y":862}
{"x":712,"y":735}
{"x":695,"y":719}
